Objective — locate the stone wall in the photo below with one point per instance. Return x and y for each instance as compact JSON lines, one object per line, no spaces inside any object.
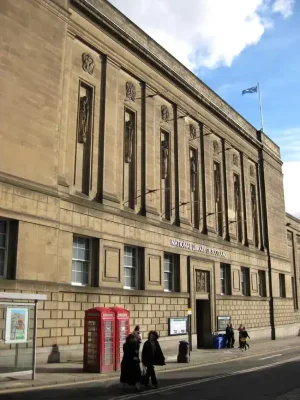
{"x":251,"y":313}
{"x":61,"y":317}
{"x":284,"y":312}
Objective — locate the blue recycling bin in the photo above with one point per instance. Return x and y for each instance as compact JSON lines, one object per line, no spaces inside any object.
{"x":219,"y":342}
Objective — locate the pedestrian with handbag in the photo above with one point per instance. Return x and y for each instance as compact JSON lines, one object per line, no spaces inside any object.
{"x":130,"y":365}
{"x":152,"y":355}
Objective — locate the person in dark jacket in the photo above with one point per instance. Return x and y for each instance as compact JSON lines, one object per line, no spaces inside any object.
{"x":152,"y":355}
{"x":138,"y":336}
{"x":240,"y":335}
{"x":228,"y":336}
{"x":244,"y":337}
{"x":232,"y":339}
{"x":130,"y":365}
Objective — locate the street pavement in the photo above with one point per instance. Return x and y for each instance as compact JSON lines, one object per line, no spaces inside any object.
{"x":273,"y":376}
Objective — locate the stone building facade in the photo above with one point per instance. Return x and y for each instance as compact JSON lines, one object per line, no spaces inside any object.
{"x":126,"y":181}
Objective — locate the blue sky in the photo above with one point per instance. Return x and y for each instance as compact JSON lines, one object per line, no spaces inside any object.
{"x":275,"y":63}
{"x":231,"y":45}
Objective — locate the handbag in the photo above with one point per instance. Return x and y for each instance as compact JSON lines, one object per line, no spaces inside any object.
{"x":144,"y":378}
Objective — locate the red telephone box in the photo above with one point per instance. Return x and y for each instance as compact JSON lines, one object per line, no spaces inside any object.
{"x":99,"y":340}
{"x":122,"y":331}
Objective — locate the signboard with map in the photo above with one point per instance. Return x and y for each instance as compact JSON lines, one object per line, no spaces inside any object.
{"x":16,"y":325}
{"x":178,"y":326}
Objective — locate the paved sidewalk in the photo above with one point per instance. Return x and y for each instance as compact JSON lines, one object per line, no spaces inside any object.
{"x":68,"y":373}
{"x":293,"y":395}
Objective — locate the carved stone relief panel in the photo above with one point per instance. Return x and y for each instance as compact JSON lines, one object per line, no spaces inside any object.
{"x":88,"y":63}
{"x":202,"y":281}
{"x":165,"y":113}
{"x":84,"y":117}
{"x":216,"y":147}
{"x":193,"y":131}
{"x":235,"y":159}
{"x":130,"y":91}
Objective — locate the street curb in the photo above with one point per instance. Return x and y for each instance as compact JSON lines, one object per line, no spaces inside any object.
{"x":105,"y":378}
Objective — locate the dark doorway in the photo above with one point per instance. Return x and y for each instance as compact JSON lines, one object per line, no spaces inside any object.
{"x":203,"y":323}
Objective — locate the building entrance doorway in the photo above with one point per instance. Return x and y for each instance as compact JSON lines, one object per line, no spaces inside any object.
{"x":203,"y":324}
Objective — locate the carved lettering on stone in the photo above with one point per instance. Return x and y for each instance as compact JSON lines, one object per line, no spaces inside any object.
{"x":193,"y":132}
{"x":216,"y":147}
{"x":164,"y":113}
{"x":130,"y":91}
{"x":84,"y":113}
{"x":235,"y":160}
{"x":88,"y":63}
{"x":202,"y":281}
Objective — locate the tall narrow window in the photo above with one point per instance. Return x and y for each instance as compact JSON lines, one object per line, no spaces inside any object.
{"x":82,"y":170}
{"x":130,"y":268}
{"x":238,"y":207}
{"x":4,"y":230}
{"x":225,"y":279}
{"x":245,"y":280}
{"x":165,"y":175}
{"x":81,"y":262}
{"x":262,"y":288}
{"x":218,"y":198}
{"x":294,"y":293}
{"x":171,"y":271}
{"x":282,"y":292}
{"x":129,"y":182}
{"x":194,"y":188}
{"x":254,"y":214}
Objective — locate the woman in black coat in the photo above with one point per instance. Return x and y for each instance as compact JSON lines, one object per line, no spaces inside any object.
{"x":152,"y":355}
{"x":130,"y":365}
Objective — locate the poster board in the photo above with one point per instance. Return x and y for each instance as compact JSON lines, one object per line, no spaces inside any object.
{"x":222,"y":322}
{"x":178,"y":326}
{"x":16,"y":325}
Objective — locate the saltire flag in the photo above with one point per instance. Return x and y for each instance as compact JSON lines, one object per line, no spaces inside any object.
{"x":250,"y":90}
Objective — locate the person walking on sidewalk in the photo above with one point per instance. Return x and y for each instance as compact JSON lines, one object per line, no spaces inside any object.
{"x":138,"y":336}
{"x":152,"y":355}
{"x":130,"y":365}
{"x":244,"y":337}
{"x":228,"y":336}
{"x":232,"y":340}
{"x":240,"y":335}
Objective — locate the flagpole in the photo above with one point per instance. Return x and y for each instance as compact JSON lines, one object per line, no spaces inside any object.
{"x":260,"y":108}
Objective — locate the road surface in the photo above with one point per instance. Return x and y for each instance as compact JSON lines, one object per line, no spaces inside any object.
{"x":259,"y":378}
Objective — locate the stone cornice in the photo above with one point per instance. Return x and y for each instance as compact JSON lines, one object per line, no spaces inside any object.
{"x":55,"y":8}
{"x":193,"y":87}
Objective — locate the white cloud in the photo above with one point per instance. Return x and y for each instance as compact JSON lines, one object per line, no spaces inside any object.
{"x":291,"y":173}
{"x":289,"y":142}
{"x":284,"y":7}
{"x":205,"y":33}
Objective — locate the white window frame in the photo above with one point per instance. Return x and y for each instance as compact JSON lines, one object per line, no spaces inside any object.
{"x":226,"y":279}
{"x":245,"y":281}
{"x":168,"y":272}
{"x":6,"y":248}
{"x":260,"y":283}
{"x":132,"y":267}
{"x":89,"y":262}
{"x":282,"y":286}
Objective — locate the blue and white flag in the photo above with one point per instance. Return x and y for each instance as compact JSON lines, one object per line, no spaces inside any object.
{"x":250,"y":90}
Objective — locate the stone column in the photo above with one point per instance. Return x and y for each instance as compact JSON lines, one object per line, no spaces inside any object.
{"x":113,"y":138}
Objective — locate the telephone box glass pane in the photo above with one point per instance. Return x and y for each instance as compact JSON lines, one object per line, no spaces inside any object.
{"x":92,"y":342}
{"x":108,"y":343}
